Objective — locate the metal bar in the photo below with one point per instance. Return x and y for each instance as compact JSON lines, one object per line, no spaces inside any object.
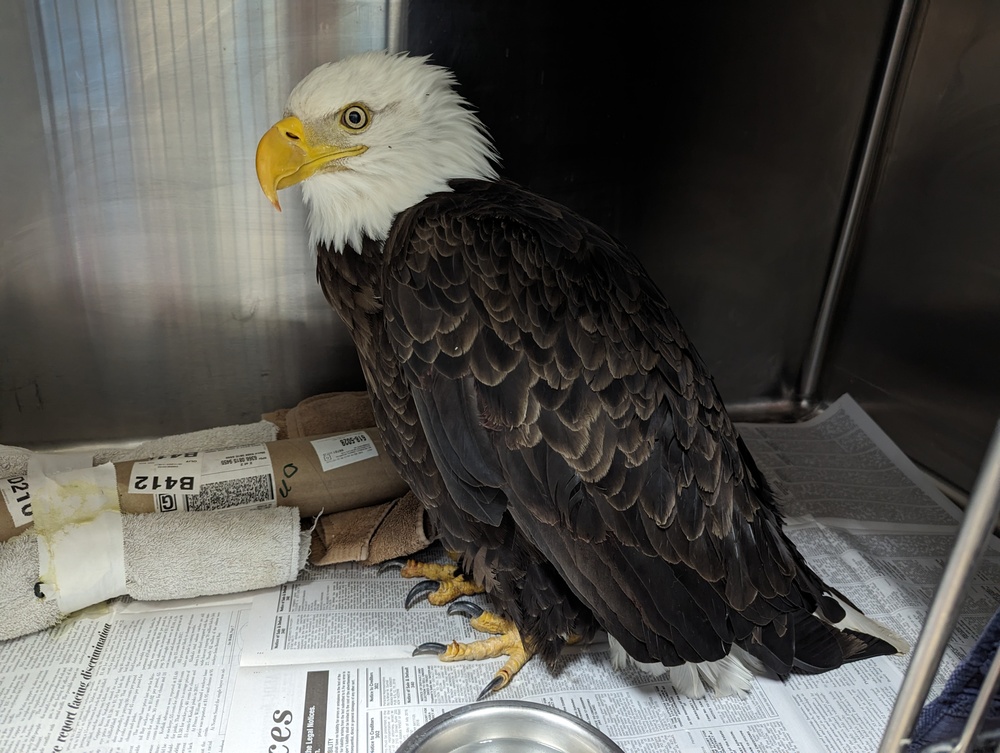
{"x":976,"y":528}
{"x":979,"y":708}
{"x":395,"y":25}
{"x":857,"y":202}
{"x":763,"y":411}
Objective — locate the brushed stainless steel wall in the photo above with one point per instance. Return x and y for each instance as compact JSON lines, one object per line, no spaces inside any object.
{"x":146,"y":287}
{"x":919,"y":336}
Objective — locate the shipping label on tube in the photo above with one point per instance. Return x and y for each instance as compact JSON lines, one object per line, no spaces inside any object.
{"x":17,"y":496}
{"x":176,"y":473}
{"x":216,"y":480}
{"x":229,"y":479}
{"x":15,"y":490}
{"x":344,"y":449}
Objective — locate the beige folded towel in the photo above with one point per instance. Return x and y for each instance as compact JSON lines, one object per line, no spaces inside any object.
{"x":328,"y":413}
{"x":370,"y":535}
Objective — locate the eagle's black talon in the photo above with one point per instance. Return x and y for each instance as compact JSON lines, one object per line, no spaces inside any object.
{"x":422,"y":590}
{"x":388,"y":565}
{"x":495,"y":684}
{"x":429,"y":649}
{"x":465,"y":609}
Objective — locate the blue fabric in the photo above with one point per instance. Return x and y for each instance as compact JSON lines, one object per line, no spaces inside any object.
{"x":945,"y":716}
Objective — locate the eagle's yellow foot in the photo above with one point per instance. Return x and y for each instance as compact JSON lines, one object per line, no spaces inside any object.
{"x":506,"y":641}
{"x":441,"y":584}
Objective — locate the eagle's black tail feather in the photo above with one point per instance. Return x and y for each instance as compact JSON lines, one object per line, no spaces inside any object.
{"x":820,"y":647}
{"x":811,"y":645}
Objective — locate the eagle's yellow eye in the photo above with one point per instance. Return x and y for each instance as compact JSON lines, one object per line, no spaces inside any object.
{"x":354,"y":117}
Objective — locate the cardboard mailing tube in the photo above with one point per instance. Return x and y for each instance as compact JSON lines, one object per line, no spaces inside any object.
{"x":297,"y":479}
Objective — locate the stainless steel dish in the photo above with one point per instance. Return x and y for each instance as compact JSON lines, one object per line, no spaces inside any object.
{"x":507,"y":727}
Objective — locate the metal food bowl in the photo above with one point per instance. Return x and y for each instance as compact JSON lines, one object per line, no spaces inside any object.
{"x":507,"y":727}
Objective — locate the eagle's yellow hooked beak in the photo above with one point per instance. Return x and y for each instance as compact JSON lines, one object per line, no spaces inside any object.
{"x":286,"y":157}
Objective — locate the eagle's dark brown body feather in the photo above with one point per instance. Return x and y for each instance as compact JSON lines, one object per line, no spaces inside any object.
{"x":544,"y":403}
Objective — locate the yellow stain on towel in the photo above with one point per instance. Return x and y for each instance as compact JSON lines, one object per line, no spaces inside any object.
{"x":77,"y":519}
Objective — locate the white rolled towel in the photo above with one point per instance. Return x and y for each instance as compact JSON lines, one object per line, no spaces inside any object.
{"x":168,"y":556}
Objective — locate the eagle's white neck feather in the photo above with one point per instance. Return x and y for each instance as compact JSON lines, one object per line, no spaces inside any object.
{"x":422,"y":134}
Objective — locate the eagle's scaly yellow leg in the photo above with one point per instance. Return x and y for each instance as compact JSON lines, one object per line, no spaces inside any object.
{"x":488,"y":622}
{"x":450,"y":584}
{"x":506,"y":641}
{"x":442,"y":585}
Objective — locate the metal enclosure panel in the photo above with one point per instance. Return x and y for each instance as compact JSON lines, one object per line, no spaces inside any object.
{"x":718,"y":146}
{"x":919,"y":338}
{"x":147,"y":288}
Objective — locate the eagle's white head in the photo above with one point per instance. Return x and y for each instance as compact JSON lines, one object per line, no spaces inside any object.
{"x":368,"y":137}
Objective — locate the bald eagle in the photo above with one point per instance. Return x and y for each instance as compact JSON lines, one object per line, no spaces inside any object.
{"x":541,"y":399}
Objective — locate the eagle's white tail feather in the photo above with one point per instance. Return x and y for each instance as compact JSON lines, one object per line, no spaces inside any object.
{"x":855,"y":620}
{"x":731,"y":675}
{"x":620,"y":659}
{"x":686,"y":680}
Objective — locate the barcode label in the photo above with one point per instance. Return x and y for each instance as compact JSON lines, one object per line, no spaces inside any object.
{"x":253,"y":491}
{"x":225,"y":479}
{"x":344,"y":449}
